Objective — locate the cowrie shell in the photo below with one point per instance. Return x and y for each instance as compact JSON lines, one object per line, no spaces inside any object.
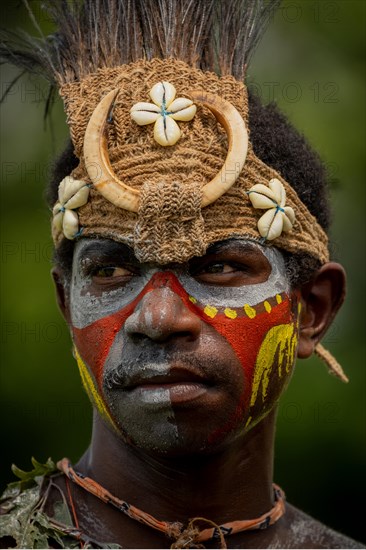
{"x":162,"y":92}
{"x":166,"y":131}
{"x":185,"y":115}
{"x":57,"y":220}
{"x":144,"y":117}
{"x":70,"y":224}
{"x":278,"y":217}
{"x":278,"y":191}
{"x":270,"y":225}
{"x":164,"y":112}
{"x":79,"y":199}
{"x":143,"y":106}
{"x":261,"y":201}
{"x":68,"y":187}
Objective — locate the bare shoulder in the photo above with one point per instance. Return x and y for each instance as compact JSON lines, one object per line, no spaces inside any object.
{"x":299,"y":530}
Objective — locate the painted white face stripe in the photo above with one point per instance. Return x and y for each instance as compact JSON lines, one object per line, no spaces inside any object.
{"x":87,"y":308}
{"x":235,"y":297}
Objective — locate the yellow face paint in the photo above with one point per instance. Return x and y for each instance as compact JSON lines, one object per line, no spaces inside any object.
{"x":248,"y":421}
{"x":278,"y":299}
{"x":250,"y":311}
{"x":281,"y":339}
{"x":91,"y":389}
{"x":210,"y":311}
{"x":231,"y":313}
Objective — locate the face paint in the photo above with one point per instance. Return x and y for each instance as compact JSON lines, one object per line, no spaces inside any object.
{"x":257,"y":322}
{"x":87,"y":308}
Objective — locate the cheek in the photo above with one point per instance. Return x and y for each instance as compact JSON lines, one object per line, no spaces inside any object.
{"x":264,"y":338}
{"x":92,"y":345}
{"x":94,"y":341}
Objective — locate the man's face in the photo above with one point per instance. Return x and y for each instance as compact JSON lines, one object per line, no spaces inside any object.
{"x":183,"y":358}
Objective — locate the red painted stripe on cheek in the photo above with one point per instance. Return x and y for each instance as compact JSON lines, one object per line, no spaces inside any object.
{"x":245,"y":337}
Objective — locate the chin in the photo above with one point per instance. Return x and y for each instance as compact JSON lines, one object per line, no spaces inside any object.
{"x":169,"y":440}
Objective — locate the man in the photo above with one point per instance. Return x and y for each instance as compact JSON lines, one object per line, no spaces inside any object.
{"x":191,"y":272}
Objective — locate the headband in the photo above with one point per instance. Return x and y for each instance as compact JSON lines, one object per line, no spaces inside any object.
{"x":171,"y":175}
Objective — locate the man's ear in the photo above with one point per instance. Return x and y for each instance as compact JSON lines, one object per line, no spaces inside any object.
{"x":61,"y":292}
{"x":321,"y":298}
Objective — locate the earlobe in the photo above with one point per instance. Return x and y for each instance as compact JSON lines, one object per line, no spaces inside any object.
{"x":321,"y":299}
{"x":61,"y":293}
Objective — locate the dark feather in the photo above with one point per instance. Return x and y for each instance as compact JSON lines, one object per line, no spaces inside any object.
{"x":217,"y":35}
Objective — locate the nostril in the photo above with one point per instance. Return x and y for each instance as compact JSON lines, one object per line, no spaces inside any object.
{"x":137,"y":337}
{"x":161,"y":336}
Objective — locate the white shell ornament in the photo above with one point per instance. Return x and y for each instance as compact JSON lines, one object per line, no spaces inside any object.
{"x":122,"y":195}
{"x":164,"y":112}
{"x":278,"y":217}
{"x":71,"y":195}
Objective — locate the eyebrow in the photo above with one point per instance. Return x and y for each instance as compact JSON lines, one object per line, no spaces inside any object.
{"x":106,"y":249}
{"x":242,"y":245}
{"x":111,"y":250}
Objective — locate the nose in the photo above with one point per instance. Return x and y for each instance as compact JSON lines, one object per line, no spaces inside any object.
{"x":161,"y":315}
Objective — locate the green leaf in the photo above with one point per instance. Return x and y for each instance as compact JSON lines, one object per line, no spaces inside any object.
{"x":28,"y":524}
{"x":38,"y":470}
{"x":28,"y":479}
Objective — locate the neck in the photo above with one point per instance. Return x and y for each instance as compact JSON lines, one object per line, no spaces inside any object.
{"x":233,"y":484}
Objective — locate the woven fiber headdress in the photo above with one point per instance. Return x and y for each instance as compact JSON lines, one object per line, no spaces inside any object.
{"x":159,"y":119}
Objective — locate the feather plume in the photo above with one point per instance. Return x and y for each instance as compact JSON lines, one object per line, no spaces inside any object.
{"x":216,"y":35}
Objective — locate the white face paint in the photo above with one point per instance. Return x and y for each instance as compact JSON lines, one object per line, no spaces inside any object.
{"x":148,"y":418}
{"x":136,"y":378}
{"x":219,"y":296}
{"x":87,"y":308}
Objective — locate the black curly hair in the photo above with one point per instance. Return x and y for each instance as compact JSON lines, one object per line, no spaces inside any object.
{"x":277,"y":143}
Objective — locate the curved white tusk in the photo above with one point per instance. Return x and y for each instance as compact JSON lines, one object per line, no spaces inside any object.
{"x":124,"y":196}
{"x":237,"y":134}
{"x":97,"y":160}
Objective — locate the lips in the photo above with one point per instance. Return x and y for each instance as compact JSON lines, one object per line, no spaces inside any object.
{"x":175,"y":376}
{"x":181,"y":384}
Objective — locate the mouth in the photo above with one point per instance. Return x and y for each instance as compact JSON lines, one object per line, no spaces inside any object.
{"x":179,"y":385}
{"x":181,"y":392}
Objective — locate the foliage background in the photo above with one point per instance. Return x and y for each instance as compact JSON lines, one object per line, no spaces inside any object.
{"x":312,"y":63}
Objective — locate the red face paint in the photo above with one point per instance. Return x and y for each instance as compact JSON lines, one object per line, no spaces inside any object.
{"x":244,"y":334}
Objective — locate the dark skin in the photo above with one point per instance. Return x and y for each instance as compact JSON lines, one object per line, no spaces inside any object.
{"x":233,"y":481}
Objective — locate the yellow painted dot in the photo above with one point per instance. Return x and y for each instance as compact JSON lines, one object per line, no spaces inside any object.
{"x":193,"y":300}
{"x":250,"y":311}
{"x":231,"y":313}
{"x":210,"y":311}
{"x":267,"y":307}
{"x":278,"y":299}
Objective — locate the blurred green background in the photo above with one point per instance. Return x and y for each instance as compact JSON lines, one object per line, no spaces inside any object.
{"x":311,"y":62}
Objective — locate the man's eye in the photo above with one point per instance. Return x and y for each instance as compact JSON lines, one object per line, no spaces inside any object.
{"x":111,"y":272}
{"x":219,"y":268}
{"x":222,"y":273}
